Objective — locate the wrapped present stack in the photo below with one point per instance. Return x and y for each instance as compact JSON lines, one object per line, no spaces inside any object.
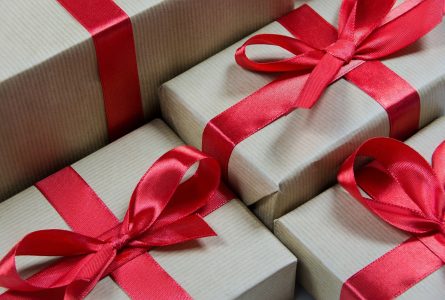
{"x":152,"y":166}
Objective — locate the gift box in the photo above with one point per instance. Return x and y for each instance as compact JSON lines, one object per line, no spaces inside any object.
{"x":277,"y":155}
{"x":66,"y":70}
{"x":243,"y":260}
{"x":339,"y":241}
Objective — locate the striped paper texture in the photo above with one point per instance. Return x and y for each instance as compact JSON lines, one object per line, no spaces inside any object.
{"x":51,"y":105}
{"x":334,"y":236}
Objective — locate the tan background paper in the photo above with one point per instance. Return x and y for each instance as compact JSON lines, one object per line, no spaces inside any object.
{"x":51,"y":105}
{"x":244,"y":261}
{"x":296,"y":157}
{"x":334,"y":236}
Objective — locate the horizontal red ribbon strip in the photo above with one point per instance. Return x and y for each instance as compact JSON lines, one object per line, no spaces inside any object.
{"x":407,"y":193}
{"x":368,"y":30}
{"x":162,"y":212}
{"x":112,"y":33}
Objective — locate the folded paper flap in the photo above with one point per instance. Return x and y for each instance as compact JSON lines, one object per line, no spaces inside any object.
{"x":260,"y":182}
{"x":349,"y":237}
{"x":191,"y":265}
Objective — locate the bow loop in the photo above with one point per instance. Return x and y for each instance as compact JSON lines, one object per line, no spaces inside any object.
{"x":305,"y":56}
{"x":403,"y":188}
{"x":359,"y":18}
{"x":160,"y":198}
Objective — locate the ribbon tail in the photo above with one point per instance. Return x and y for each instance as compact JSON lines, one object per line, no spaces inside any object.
{"x":143,"y":278}
{"x":322,"y":75}
{"x":90,"y":276}
{"x":46,"y":243}
{"x":407,"y":264}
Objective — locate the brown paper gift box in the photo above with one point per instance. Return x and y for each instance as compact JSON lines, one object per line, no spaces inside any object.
{"x":334,"y":236}
{"x":244,"y":261}
{"x":51,"y":105}
{"x":296,"y":157}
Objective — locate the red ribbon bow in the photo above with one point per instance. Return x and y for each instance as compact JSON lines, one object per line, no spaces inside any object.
{"x":162,"y":211}
{"x":406,"y":192}
{"x":368,"y":30}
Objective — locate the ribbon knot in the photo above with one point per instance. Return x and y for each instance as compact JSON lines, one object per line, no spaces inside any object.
{"x":342,"y":49}
{"x":162,"y":211}
{"x":120,"y":241}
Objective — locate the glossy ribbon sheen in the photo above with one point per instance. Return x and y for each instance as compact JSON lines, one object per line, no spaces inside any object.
{"x":112,"y":33}
{"x":162,"y":212}
{"x":407,"y":193}
{"x":368,"y":30}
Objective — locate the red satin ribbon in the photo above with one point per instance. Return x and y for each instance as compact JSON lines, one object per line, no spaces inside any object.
{"x":368,"y":30}
{"x":161,"y":212}
{"x":407,"y":193}
{"x":112,"y":33}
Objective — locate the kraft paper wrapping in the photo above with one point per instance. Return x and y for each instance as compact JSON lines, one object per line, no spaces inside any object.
{"x":297,"y":156}
{"x":334,"y":236}
{"x":244,"y":261}
{"x":52,"y":111}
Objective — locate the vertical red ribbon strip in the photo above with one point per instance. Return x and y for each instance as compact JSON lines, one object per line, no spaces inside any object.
{"x":112,"y":33}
